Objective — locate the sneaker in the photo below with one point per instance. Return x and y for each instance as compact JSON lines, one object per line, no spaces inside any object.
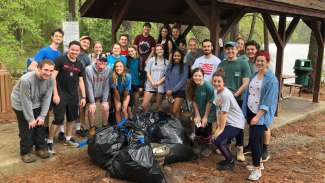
{"x":255,"y":175}
{"x":223,"y":162}
{"x":227,"y":165}
{"x":71,"y":143}
{"x":252,"y":167}
{"x":50,"y":148}
{"x":247,"y":150}
{"x":42,"y":154}
{"x":61,"y":137}
{"x":28,"y":158}
{"x":240,"y":154}
{"x":206,"y":152}
{"x":265,"y":156}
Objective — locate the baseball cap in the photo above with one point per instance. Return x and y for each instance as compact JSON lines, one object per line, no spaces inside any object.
{"x":102,"y":58}
{"x":230,"y":44}
{"x":85,"y":37}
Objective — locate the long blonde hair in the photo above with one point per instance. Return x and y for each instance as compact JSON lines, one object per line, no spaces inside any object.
{"x":115,"y":75}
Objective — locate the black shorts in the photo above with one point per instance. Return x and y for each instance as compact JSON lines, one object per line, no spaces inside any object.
{"x":179,"y":94}
{"x":135,"y":88}
{"x":68,"y":106}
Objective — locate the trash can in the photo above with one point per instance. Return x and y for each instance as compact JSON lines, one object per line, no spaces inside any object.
{"x":302,"y":70}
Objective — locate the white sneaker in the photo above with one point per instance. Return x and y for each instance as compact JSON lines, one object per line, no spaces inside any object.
{"x":240,"y":153}
{"x":252,"y":167}
{"x":255,"y":175}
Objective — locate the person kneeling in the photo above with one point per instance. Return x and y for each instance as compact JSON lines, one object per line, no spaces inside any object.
{"x":230,"y":121}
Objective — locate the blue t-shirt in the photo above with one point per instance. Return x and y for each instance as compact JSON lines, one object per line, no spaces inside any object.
{"x":111,"y":60}
{"x":122,"y":86}
{"x":133,"y":68}
{"x":47,"y":53}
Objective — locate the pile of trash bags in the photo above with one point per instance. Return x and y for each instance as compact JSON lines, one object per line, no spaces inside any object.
{"x":125,"y":151}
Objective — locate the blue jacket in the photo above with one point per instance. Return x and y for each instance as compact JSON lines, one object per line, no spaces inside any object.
{"x":268,"y":100}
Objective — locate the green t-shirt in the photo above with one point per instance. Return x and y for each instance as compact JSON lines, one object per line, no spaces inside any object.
{"x":235,"y":71}
{"x":203,"y":95}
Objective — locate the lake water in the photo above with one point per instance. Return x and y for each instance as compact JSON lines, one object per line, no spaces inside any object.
{"x":291,"y":53}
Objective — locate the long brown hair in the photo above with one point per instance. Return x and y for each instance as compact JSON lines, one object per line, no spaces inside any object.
{"x":115,"y":75}
{"x":192,"y":86}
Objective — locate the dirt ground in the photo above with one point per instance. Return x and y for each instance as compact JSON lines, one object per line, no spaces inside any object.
{"x":297,"y":155}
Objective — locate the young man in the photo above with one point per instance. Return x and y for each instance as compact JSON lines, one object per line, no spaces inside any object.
{"x":194,"y":52}
{"x":177,"y":38}
{"x":145,"y":44}
{"x":30,"y":100}
{"x":85,"y":42}
{"x":50,"y":52}
{"x":237,"y":73}
{"x":124,"y":42}
{"x":69,"y":74}
{"x":208,"y":62}
{"x":97,"y":79}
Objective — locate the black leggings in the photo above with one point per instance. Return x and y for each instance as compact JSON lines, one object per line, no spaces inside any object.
{"x":222,"y":141}
{"x":256,"y":138}
{"x":240,"y":136}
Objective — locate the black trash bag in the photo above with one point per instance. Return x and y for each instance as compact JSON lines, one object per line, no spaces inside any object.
{"x":104,"y":145}
{"x":136,"y":163}
{"x":145,"y":121}
{"x":171,"y":133}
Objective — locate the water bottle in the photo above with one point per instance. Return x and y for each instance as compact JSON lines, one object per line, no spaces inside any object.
{"x":83,"y":143}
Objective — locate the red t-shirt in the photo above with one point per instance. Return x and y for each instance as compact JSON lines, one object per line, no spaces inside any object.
{"x":125,"y":52}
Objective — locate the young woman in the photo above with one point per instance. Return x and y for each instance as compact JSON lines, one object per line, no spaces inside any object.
{"x":230,"y":120}
{"x":156,"y":71}
{"x":133,"y":65}
{"x":176,"y":78}
{"x":166,"y":41}
{"x":201,"y":94}
{"x":120,"y":90}
{"x":97,"y":50}
{"x":259,"y":106}
{"x":116,"y":55}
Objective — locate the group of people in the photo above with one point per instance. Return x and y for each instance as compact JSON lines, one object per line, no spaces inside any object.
{"x":224,"y":94}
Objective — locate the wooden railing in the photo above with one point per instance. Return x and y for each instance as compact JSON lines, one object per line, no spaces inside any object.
{"x":6,"y":84}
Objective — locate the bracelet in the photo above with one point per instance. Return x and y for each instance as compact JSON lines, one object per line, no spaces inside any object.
{"x":83,"y":97}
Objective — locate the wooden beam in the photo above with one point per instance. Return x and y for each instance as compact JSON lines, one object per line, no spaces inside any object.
{"x":85,"y":7}
{"x":272,"y":29}
{"x":292,"y":26}
{"x":282,"y":26}
{"x":199,"y":12}
{"x":316,"y":28}
{"x":118,"y":16}
{"x":187,"y":30}
{"x":214,"y":27}
{"x":232,"y":21}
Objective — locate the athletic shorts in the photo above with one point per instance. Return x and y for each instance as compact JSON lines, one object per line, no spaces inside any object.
{"x":179,"y":94}
{"x":68,"y":106}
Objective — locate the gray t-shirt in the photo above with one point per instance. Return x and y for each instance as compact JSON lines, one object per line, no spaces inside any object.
{"x":226,"y":102}
{"x":157,"y":69}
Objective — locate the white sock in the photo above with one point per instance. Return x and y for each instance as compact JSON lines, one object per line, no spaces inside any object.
{"x":50,"y":141}
{"x":78,"y":127}
{"x":62,"y":128}
{"x":67,"y":137}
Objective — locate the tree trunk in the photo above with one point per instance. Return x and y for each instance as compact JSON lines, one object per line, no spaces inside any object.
{"x":72,"y":10}
{"x":251,"y":32}
{"x":234,"y":33}
{"x":312,"y":55}
{"x":266,"y":38}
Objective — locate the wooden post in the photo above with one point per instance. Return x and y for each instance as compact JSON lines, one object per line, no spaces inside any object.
{"x":215,"y":26}
{"x":187,"y":30}
{"x":118,"y":16}
{"x":232,"y":21}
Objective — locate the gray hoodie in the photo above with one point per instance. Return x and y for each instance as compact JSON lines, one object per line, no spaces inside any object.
{"x":97,"y":83}
{"x":32,"y":92}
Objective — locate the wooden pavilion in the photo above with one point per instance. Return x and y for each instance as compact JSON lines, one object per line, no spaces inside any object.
{"x":219,"y":16}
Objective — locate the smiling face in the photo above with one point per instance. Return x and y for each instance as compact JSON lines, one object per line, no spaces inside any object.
{"x":192,"y":45}
{"x":132,"y":52}
{"x":175,"y":33}
{"x":98,"y":48}
{"x":57,"y":38}
{"x":116,"y":49}
{"x":218,"y":83}
{"x":85,"y":44}
{"x":46,"y":71}
{"x":177,"y":57}
{"x":100,"y":65}
{"x":207,"y":47}
{"x":119,"y":68}
{"x":73,"y":51}
{"x":251,"y":51}
{"x":198,"y":77}
{"x":240,"y":44}
{"x":123,"y":41}
{"x":159,"y":51}
{"x":261,"y":63}
{"x":164,"y":32}
{"x":231,"y":52}
{"x":146,"y":30}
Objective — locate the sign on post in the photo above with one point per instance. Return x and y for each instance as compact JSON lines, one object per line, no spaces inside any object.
{"x":71,"y":33}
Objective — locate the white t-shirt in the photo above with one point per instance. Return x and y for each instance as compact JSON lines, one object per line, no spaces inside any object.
{"x":208,"y":65}
{"x":157,"y":69}
{"x":226,"y":102}
{"x":254,"y":90}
